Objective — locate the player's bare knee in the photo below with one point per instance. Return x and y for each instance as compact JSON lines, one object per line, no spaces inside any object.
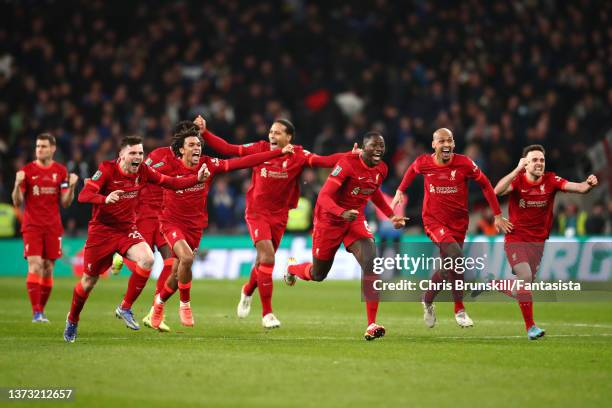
{"x":186,"y":259}
{"x":88,"y":282}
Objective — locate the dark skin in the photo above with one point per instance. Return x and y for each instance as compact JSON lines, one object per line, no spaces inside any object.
{"x":364,"y":250}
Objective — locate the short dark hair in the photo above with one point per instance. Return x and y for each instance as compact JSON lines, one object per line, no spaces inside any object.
{"x":533,"y":147}
{"x":182,"y":131}
{"x":47,"y":136}
{"x":289,"y":128}
{"x":131,"y":140}
{"x":371,"y":134}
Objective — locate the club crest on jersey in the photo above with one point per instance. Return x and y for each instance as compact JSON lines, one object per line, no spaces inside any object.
{"x":97,"y":175}
{"x":377,"y":176}
{"x":54,"y":175}
{"x":285,"y":165}
{"x":543,"y":189}
{"x":336,"y":171}
{"x":136,"y":181}
{"x":452,"y":176}
{"x":264,"y":172}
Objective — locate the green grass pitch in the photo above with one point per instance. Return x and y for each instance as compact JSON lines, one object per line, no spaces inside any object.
{"x":317,"y":358}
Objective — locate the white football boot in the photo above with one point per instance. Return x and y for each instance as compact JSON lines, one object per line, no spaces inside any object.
{"x":270,"y":321}
{"x":429,"y":314}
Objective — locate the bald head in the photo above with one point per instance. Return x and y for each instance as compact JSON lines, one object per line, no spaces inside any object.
{"x":442,"y":132}
{"x":443,"y":144}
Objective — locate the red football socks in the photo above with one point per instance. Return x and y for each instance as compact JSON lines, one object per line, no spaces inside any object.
{"x":184,"y":291}
{"x":33,"y":286}
{"x":79,"y":297}
{"x":302,"y":270}
{"x":265,"y":285}
{"x":372,"y":310}
{"x":136,"y":284}
{"x":525,"y":302}
{"x":163,"y":276}
{"x":46,"y":284}
{"x":250,"y":286}
{"x":166,"y":293}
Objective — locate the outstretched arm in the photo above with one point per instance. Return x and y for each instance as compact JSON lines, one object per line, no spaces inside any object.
{"x":581,"y":188}
{"x":221,"y":146}
{"x":330,"y":161}
{"x":249,"y":161}
{"x":504,"y":186}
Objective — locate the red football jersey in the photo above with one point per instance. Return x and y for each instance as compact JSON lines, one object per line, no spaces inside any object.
{"x":41,"y":190}
{"x":275,"y":184}
{"x":446,"y":189}
{"x":151,"y":196}
{"x":531,"y":207}
{"x":358,"y":182}
{"x":188,"y":207}
{"x":110,"y":177}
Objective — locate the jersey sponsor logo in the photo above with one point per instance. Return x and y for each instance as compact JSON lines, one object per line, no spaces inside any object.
{"x":355,"y":191}
{"x":264,"y":173}
{"x":97,"y":175}
{"x":47,"y":190}
{"x":336,"y":171}
{"x":452,"y":174}
{"x":443,"y":189}
{"x":36,"y":190}
{"x":532,"y":203}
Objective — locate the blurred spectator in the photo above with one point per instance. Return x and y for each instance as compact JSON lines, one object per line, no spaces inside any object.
{"x":596,"y":220}
{"x":570,"y":221}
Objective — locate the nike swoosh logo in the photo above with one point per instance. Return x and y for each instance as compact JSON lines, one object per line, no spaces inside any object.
{"x":360,"y":178}
{"x":524,"y":191}
{"x":34,"y":177}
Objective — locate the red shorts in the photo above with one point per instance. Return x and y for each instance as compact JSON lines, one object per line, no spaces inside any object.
{"x":440,"y":235}
{"x":328,"y":234}
{"x":102,"y":243}
{"x":174,"y":233}
{"x":267,"y":227}
{"x":43,"y":243}
{"x":519,"y":252}
{"x":149,"y":228}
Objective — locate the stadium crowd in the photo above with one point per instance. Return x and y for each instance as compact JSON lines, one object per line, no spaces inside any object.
{"x":499,"y":74}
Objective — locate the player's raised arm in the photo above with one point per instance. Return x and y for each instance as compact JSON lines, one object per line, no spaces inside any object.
{"x":581,"y":188}
{"x":504,"y":186}
{"x":252,"y":160}
{"x":221,"y":146}
{"x":68,"y":187}
{"x":314,"y":160}
{"x":19,"y":188}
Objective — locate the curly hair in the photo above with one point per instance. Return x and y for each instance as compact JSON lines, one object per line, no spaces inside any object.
{"x":182,"y":131}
